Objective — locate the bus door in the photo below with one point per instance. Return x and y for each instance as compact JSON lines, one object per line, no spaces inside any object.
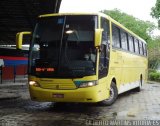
{"x":105,"y":49}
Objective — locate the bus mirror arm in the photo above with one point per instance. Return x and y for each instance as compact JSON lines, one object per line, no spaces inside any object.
{"x":20,"y":37}
{"x":98,"y":48}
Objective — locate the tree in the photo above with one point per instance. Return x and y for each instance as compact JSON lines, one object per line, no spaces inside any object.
{"x":142,"y":29}
{"x":154,"y":53}
{"x":139,"y":27}
{"x":155,"y":11}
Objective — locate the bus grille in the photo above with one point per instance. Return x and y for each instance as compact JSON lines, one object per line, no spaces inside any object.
{"x":58,"y":86}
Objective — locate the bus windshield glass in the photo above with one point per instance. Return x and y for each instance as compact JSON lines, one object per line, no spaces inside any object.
{"x":64,"y":47}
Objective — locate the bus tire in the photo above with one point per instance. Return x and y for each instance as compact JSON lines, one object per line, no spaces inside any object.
{"x":113,"y":95}
{"x":138,"y":89}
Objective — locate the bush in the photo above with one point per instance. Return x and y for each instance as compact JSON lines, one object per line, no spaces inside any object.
{"x":154,"y":76}
{"x":152,"y":70}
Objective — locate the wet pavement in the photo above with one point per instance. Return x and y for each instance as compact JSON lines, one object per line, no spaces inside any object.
{"x":132,"y":105}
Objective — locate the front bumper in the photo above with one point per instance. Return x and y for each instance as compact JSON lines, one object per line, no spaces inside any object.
{"x":89,"y":94}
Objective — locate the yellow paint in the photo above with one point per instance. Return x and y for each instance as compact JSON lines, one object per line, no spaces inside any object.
{"x":89,"y":94}
{"x":19,"y":38}
{"x":98,"y":37}
{"x":125,"y":67}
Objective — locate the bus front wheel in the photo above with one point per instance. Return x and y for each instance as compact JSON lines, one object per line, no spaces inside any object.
{"x":113,"y":95}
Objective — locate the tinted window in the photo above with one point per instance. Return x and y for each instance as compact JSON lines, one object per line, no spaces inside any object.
{"x":105,"y":33}
{"x":66,"y":44}
{"x":145,"y":49}
{"x":136,"y":46}
{"x":140,"y":48}
{"x":124,"y":40}
{"x":116,"y":36}
{"x":103,"y":63}
{"x":131,"y":43}
{"x":104,"y":55}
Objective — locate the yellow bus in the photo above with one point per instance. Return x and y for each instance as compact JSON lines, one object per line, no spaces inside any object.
{"x":84,"y":58}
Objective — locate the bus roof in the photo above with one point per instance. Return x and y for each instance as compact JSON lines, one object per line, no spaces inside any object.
{"x":63,"y":14}
{"x":100,"y":14}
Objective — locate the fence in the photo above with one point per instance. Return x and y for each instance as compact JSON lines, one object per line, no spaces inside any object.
{"x":11,"y":72}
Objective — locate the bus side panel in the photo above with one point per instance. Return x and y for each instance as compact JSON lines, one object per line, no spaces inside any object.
{"x":115,"y":67}
{"x":127,"y":69}
{"x":133,"y":66}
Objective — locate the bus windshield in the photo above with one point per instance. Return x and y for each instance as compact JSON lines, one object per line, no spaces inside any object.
{"x":64,"y":46}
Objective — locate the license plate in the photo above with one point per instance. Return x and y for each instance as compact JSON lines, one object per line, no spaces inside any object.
{"x":58,"y":95}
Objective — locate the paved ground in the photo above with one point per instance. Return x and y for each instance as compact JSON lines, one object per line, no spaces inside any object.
{"x":21,"y":111}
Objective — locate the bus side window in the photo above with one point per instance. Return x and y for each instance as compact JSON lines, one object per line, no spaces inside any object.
{"x":145,"y":49}
{"x":124,"y":40}
{"x":131,"y":43}
{"x":140,"y":48}
{"x":116,"y":37}
{"x":136,"y":46}
{"x":105,"y":33}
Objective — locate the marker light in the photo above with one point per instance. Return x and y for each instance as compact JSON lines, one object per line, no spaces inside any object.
{"x":34,"y":83}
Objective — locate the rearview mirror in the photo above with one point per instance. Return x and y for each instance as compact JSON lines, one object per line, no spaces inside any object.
{"x":19,"y":38}
{"x":98,"y":37}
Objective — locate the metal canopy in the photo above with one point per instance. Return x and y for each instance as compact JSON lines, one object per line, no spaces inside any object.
{"x":21,"y":15}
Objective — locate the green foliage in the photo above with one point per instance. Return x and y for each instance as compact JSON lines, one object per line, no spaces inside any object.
{"x":156,"y":10}
{"x":139,"y":27}
{"x":153,"y":63}
{"x":154,"y":53}
{"x":154,"y":76}
{"x":151,"y":71}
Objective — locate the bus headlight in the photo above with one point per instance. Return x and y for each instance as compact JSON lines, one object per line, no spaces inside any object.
{"x":88,"y":84}
{"x":34,"y":83}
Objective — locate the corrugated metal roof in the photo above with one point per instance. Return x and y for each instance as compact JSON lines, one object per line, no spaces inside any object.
{"x":20,"y":15}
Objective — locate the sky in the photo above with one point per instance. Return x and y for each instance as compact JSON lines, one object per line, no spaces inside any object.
{"x":140,"y":9}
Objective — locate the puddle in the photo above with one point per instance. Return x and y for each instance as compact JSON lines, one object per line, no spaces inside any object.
{"x":155,"y":86}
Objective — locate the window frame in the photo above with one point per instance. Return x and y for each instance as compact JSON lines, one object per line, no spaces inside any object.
{"x":130,"y":39}
{"x":136,"y":48}
{"x":122,"y":32}
{"x":119,"y":37}
{"x":140,"y":48}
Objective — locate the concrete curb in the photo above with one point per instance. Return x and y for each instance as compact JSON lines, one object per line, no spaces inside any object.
{"x":12,"y":84}
{"x":7,"y":95}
